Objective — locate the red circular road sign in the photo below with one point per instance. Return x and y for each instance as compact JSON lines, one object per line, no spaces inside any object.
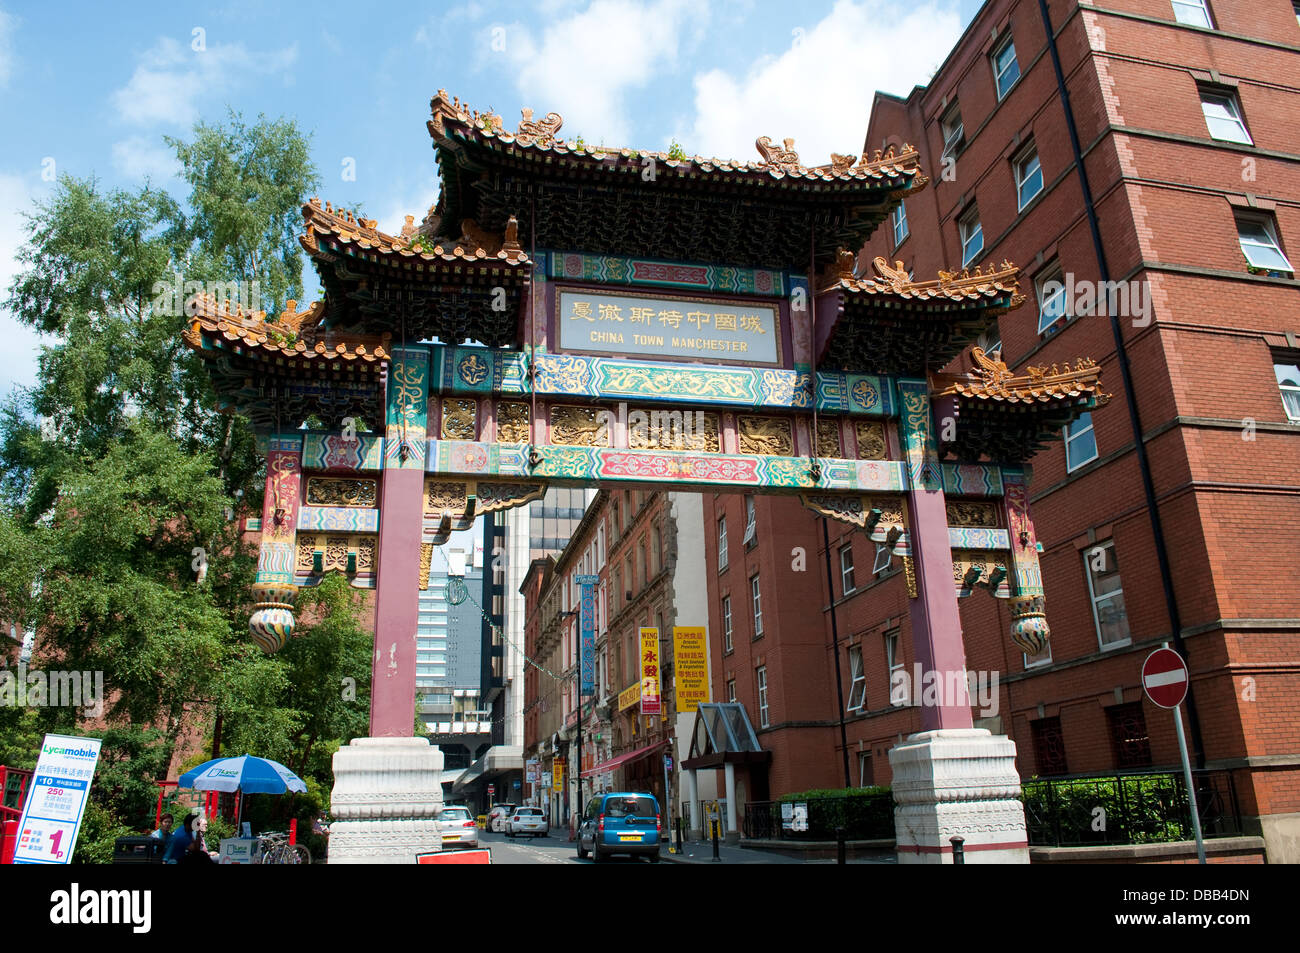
{"x":1164,"y":678}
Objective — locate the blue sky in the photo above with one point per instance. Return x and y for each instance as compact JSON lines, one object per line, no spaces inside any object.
{"x":91,"y":88}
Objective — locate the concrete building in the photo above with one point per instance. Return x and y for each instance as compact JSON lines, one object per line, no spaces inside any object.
{"x":1141,"y":153}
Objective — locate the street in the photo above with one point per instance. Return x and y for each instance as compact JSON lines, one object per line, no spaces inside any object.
{"x":555,"y":848}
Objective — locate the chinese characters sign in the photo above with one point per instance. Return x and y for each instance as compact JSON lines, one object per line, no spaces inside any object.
{"x":56,"y":800}
{"x":650,"y":701}
{"x":691,"y":667}
{"x":722,"y":332}
{"x":587,"y":634}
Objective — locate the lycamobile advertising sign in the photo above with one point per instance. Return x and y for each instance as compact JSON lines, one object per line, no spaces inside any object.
{"x":56,"y":800}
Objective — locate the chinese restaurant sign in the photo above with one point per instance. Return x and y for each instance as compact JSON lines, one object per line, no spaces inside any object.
{"x":691,"y":667}
{"x":721,"y":332}
{"x":650,"y":702}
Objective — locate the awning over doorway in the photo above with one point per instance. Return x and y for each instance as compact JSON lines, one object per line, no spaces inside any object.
{"x":622,"y":759}
{"x":724,"y":735}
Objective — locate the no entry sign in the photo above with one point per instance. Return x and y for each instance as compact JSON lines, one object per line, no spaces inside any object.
{"x":1164,"y":678}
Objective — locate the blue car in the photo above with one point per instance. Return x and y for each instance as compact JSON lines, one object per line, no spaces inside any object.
{"x":623,"y":823}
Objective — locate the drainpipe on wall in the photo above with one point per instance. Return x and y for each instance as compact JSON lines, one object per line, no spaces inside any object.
{"x":1135,"y":420}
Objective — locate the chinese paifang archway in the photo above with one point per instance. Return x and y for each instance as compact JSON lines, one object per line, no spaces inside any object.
{"x":636,"y":319}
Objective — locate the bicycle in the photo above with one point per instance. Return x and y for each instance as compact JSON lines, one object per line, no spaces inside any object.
{"x":276,"y":849}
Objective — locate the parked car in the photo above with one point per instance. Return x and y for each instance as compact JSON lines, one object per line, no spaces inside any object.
{"x":457,"y":827}
{"x":528,"y":820}
{"x":620,"y":823}
{"x":497,"y":816}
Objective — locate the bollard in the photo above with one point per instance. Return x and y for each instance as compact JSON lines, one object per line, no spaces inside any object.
{"x":839,"y":846}
{"x":714,"y":825}
{"x":8,"y":842}
{"x":958,"y":854}
{"x":293,"y":830}
{"x":680,"y":822}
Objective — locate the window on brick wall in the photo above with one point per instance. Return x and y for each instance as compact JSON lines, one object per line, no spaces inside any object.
{"x":883,"y":558}
{"x":757,"y":598}
{"x":1005,"y":68}
{"x":1129,"y":742}
{"x":751,"y":522}
{"x":1107,"y":595}
{"x":1052,"y":304}
{"x":1029,"y":177}
{"x":726,"y":624}
{"x":865,"y":778}
{"x":1193,"y":13}
{"x":722,"y":542}
{"x":900,"y":224}
{"x":1223,"y":116}
{"x":857,"y":679}
{"x":1049,"y":746}
{"x":1257,"y":235}
{"x":1080,"y":443}
{"x":1288,"y":382}
{"x":972,"y":236}
{"x":898,"y":689}
{"x":847,"y":583}
{"x":954,"y":135}
{"x":760,"y":677}
{"x":731,"y":690}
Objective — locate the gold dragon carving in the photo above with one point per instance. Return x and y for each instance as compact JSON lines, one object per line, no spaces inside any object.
{"x":512,"y":423}
{"x":340,"y":492}
{"x":871,"y":440}
{"x":579,"y":427}
{"x":828,"y":439}
{"x":965,"y":513}
{"x":765,"y":436}
{"x":458,"y":419}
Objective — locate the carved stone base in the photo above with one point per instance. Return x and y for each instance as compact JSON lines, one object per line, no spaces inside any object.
{"x":958,"y":783}
{"x":386,"y":798}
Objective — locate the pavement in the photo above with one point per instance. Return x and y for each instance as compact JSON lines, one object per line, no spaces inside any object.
{"x":701,"y":852}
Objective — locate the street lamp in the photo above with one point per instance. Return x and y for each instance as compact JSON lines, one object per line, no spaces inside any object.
{"x":577,"y":774}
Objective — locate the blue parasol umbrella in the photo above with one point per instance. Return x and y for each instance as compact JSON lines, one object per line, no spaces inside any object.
{"x":245,"y":773}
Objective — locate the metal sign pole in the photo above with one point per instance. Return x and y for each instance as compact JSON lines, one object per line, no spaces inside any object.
{"x":1191,"y":792}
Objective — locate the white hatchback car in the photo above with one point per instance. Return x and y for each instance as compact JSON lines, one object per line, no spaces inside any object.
{"x":528,"y":820}
{"x":457,"y":827}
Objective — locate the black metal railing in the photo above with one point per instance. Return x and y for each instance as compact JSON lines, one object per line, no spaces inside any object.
{"x":1130,"y":808}
{"x":863,"y":817}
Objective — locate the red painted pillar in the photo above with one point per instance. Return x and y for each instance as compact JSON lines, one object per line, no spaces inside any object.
{"x":8,"y":842}
{"x":936,"y":623}
{"x":401,"y":527}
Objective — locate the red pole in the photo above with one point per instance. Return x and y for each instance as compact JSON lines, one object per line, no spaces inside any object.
{"x":8,"y":842}
{"x":157,"y":815}
{"x":293,"y":830}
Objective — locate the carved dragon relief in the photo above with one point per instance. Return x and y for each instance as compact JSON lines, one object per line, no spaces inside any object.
{"x":766,"y":436}
{"x":541,"y":132}
{"x":579,"y":427}
{"x":459,"y":419}
{"x":512,"y":422}
{"x":782,"y":160}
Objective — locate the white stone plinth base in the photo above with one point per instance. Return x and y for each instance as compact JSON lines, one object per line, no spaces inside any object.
{"x":386,"y":798}
{"x":958,"y":783}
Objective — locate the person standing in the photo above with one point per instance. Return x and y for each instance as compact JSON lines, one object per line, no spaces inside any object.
{"x":180,"y":842}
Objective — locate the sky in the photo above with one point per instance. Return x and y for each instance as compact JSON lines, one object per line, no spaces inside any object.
{"x":91,"y":88}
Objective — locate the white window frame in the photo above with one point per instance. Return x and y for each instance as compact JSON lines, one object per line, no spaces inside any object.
{"x":857,"y":679}
{"x":760,"y":679}
{"x":1227,"y":101}
{"x":1285,"y":373}
{"x":899,"y":219}
{"x":847,"y":583}
{"x":1042,"y":658}
{"x":1024,"y":175}
{"x":952,"y":130}
{"x":991,"y":340}
{"x":751,"y":521}
{"x":1094,"y":599}
{"x":756,"y":602}
{"x":1191,"y":8}
{"x":722,"y":542}
{"x":893,"y":663}
{"x":883,"y":558}
{"x":968,"y":227}
{"x":1272,"y":244}
{"x":1048,"y":321}
{"x":1072,"y":435}
{"x":731,"y":690}
{"x":726,"y":623}
{"x":1007,"y":44}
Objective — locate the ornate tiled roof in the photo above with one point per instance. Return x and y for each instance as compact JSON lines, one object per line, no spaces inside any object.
{"x":998,"y":283}
{"x":671,"y":206}
{"x":292,"y":333}
{"x":777,"y":161}
{"x":473,"y":245}
{"x":993,"y":380}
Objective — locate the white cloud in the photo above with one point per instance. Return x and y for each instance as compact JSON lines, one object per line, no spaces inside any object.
{"x":819,"y":91}
{"x":582,"y":65}
{"x":140,"y":157}
{"x":21,"y":343}
{"x":171,"y":77}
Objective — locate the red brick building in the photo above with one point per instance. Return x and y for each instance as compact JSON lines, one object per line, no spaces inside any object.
{"x":1150,"y":144}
